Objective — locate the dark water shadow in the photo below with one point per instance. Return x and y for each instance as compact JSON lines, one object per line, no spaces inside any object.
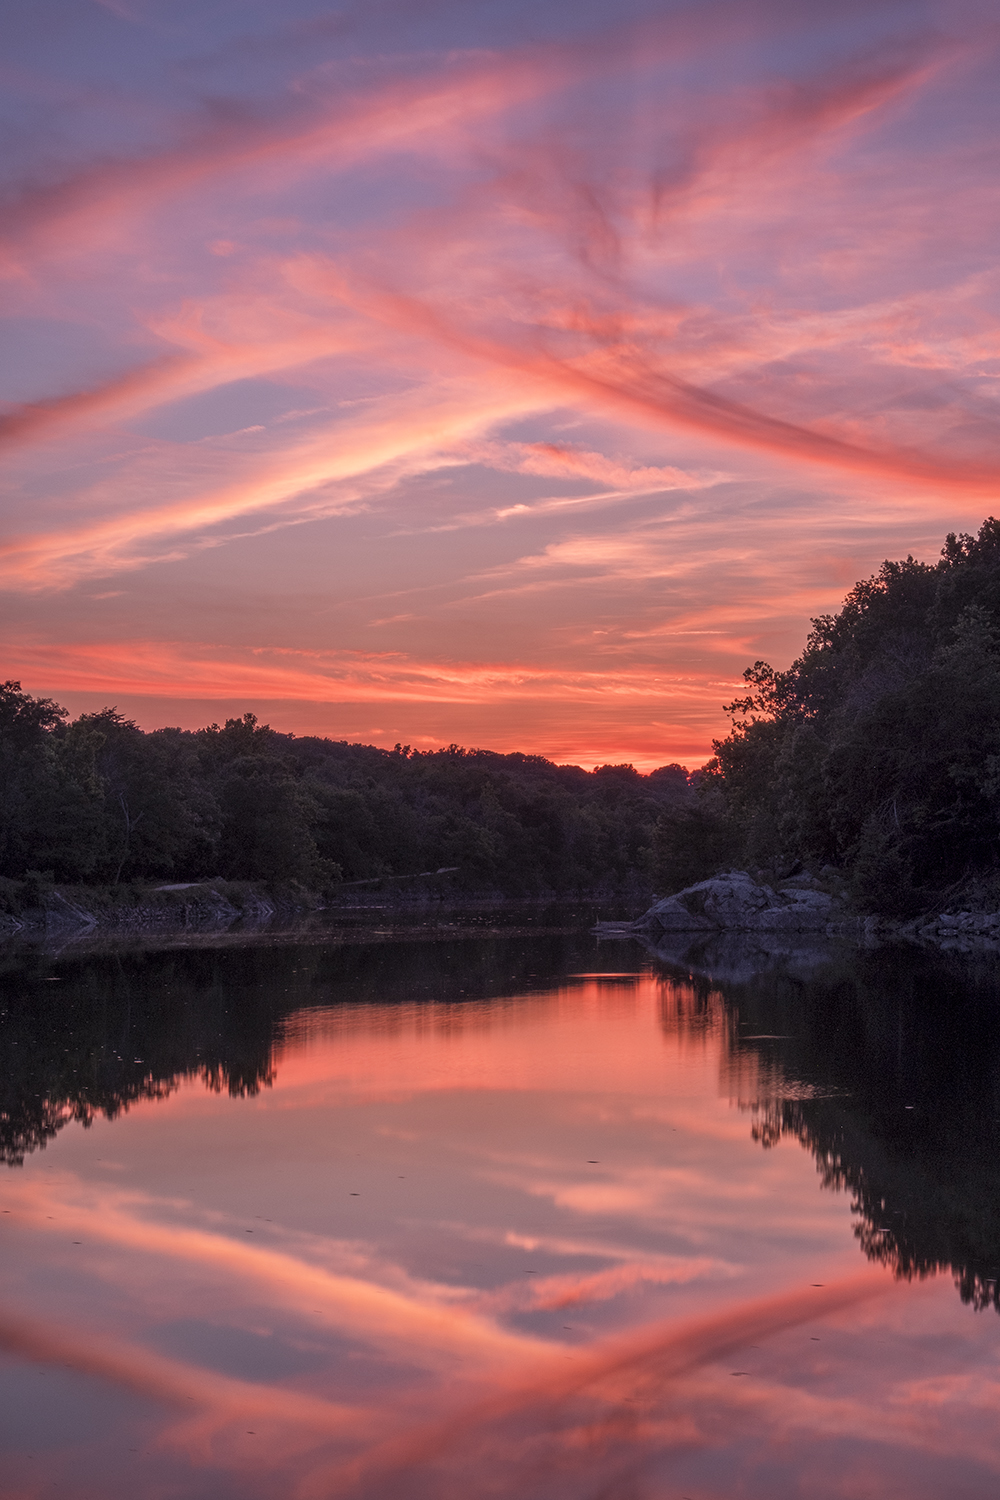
{"x":885,"y":1065}
{"x":89,"y":1032}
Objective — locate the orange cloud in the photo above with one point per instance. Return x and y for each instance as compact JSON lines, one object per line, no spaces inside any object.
{"x":342,"y":676}
{"x":95,"y":202}
{"x":665,"y":1354}
{"x":627,"y":377}
{"x":405,"y":431}
{"x":564,"y":461}
{"x":631,"y":261}
{"x":431,"y":1330}
{"x":337,"y":124}
{"x":233,"y":337}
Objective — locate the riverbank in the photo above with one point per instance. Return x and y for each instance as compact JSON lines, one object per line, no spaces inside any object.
{"x":808,"y":906}
{"x":195,"y":910}
{"x":194,"y":905}
{"x":729,"y":905}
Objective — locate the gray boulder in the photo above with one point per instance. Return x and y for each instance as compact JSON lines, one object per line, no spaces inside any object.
{"x":735,"y":902}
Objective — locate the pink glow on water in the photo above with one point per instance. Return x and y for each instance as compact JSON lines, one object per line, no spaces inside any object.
{"x":527,"y":1243}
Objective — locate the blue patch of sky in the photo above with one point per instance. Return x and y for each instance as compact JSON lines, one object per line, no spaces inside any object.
{"x":46,"y":357}
{"x":226,"y":409}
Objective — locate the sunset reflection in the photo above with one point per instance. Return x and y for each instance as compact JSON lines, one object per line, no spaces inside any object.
{"x":525,"y":1244}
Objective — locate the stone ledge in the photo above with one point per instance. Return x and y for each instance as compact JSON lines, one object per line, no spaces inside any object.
{"x":735,"y":902}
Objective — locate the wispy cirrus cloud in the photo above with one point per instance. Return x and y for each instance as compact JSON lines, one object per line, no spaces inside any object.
{"x":185,"y":669}
{"x":470,"y":294}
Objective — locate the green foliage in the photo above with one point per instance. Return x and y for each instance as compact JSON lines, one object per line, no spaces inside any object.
{"x":98,"y":801}
{"x":879,"y":748}
{"x":691,"y":842}
{"x":265,"y":824}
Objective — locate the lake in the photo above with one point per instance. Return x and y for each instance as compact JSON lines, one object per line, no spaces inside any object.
{"x":500,"y":1209}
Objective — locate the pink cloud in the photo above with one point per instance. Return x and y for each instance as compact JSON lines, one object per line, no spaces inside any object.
{"x":346,"y":676}
{"x":436,"y":1332}
{"x":665,"y":1354}
{"x":740,"y":287}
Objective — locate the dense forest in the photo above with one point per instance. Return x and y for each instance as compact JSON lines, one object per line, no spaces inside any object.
{"x":878,"y":750}
{"x":98,"y":801}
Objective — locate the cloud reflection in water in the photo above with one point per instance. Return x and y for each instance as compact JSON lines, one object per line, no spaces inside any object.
{"x":417,"y":1205}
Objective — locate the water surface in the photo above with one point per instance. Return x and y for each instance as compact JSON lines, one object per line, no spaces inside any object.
{"x":519,"y":1215}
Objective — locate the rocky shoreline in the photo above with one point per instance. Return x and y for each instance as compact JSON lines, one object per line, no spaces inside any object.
{"x":196,"y":906}
{"x":802,"y":909}
{"x":199,"y":909}
{"x":737,"y":903}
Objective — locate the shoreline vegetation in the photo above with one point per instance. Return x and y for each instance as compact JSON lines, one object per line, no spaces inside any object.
{"x":870,"y":767}
{"x":102,"y":823}
{"x":874,"y":760}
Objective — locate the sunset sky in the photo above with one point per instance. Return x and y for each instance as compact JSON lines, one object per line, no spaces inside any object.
{"x":495,"y":372}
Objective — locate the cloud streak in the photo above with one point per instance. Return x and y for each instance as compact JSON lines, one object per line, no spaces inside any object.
{"x":474,"y":290}
{"x":664,"y":1354}
{"x":219,"y":1400}
{"x":429,"y":1330}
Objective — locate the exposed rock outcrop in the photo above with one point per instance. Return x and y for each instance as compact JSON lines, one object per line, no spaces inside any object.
{"x":735,"y":902}
{"x":191,"y":906}
{"x":736,"y":905}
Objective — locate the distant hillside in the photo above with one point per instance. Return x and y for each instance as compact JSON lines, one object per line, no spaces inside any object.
{"x":99,"y":801}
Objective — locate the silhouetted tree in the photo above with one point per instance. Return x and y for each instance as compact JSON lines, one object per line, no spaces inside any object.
{"x":99,"y":800}
{"x":877,"y":749}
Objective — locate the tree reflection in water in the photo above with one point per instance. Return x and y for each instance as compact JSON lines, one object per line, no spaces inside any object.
{"x":885,"y":1064}
{"x":91,"y":1035}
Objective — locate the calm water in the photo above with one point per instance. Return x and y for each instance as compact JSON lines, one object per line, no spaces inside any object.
{"x":512,"y":1215}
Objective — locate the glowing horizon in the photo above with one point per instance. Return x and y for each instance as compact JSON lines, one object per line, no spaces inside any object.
{"x":503,"y":375}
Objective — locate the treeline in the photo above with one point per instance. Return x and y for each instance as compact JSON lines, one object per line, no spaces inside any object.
{"x":99,"y":801}
{"x":878,"y":750}
{"x":135,"y":1024}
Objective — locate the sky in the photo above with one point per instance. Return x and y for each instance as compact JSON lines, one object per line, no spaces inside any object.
{"x":507,"y":374}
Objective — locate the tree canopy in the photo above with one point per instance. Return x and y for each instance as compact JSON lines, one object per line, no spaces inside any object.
{"x":878,"y":750}
{"x":97,"y":800}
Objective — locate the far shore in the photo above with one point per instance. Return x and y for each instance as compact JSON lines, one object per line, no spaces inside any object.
{"x":208,"y":909}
